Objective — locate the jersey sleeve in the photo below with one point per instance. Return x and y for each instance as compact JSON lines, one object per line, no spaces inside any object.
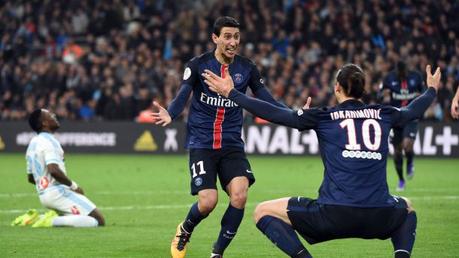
{"x":415,"y":109}
{"x":302,"y":119}
{"x":190,"y":77}
{"x":308,"y":118}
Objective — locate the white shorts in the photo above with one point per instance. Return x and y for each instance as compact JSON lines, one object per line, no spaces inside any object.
{"x":66,"y":201}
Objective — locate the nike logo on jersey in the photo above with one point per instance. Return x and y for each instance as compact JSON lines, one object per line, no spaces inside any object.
{"x":248,"y":171}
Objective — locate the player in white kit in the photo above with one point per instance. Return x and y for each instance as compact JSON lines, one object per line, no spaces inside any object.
{"x":46,"y":170}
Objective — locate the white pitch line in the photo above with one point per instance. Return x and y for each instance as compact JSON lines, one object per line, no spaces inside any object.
{"x":249,"y":204}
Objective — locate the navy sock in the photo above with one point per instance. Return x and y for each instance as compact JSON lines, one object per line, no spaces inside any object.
{"x":398,"y":160}
{"x":409,"y":158}
{"x":403,"y":238}
{"x":283,"y":236}
{"x":193,"y":218}
{"x":230,"y":223}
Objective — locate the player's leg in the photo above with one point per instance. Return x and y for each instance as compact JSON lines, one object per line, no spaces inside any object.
{"x":235,"y":177}
{"x":75,"y":207}
{"x":403,"y":238}
{"x":203,"y":183}
{"x":207,"y":200}
{"x":232,"y":218}
{"x":397,"y":142}
{"x":272,"y":219}
{"x":410,"y":132}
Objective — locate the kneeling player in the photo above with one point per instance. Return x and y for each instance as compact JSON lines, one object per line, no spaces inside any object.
{"x":46,"y":170}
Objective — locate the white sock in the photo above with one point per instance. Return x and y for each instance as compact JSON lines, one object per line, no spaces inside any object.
{"x":75,"y":221}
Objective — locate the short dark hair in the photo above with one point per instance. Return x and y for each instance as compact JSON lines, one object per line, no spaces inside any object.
{"x":35,"y":120}
{"x":225,"y":21}
{"x":352,"y":78}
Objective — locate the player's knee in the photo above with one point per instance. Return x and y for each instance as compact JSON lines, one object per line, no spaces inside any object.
{"x":409,"y":204}
{"x":100,"y":221}
{"x":98,"y":216}
{"x":408,"y":148}
{"x":238,"y":199}
{"x":207,"y":203}
{"x":260,"y":211}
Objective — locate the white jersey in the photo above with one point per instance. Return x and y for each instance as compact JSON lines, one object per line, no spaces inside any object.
{"x":44,"y":149}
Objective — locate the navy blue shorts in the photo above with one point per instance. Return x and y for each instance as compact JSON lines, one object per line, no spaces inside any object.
{"x":322,"y":222}
{"x":408,"y":131}
{"x":206,"y":165}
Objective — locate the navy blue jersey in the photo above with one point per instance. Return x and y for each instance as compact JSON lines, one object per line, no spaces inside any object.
{"x":403,"y":91}
{"x":354,"y":148}
{"x":214,"y":121}
{"x":353,"y":142}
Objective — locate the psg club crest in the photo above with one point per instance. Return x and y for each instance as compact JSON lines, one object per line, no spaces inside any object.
{"x":198,"y":181}
{"x":238,"y":78}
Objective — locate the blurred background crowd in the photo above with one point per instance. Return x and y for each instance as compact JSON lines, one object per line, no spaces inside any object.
{"x":106,"y":60}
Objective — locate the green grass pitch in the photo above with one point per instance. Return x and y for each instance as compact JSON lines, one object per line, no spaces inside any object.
{"x":144,"y":197}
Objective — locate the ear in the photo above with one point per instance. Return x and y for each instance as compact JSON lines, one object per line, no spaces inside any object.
{"x":214,"y":38}
{"x":337,"y":87}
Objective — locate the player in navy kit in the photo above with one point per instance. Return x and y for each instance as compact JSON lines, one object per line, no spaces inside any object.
{"x":399,"y":88}
{"x":214,"y":135}
{"x":354,"y":199}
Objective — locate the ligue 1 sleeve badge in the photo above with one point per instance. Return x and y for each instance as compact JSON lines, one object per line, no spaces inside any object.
{"x":186,"y":73}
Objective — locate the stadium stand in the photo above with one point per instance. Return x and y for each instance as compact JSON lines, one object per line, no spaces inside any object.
{"x":106,"y":60}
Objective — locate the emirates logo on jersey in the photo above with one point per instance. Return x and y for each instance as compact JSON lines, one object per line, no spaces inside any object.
{"x":217,"y":101}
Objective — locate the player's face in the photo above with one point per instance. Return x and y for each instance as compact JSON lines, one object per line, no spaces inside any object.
{"x":228,"y":42}
{"x":49,"y":120}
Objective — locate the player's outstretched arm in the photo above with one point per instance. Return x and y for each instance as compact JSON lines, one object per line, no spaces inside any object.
{"x":263,"y":109}
{"x":161,"y":117}
{"x":455,"y":105}
{"x":419,"y":105}
{"x":60,"y":177}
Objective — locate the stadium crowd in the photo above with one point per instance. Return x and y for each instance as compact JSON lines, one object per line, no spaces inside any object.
{"x":106,"y":60}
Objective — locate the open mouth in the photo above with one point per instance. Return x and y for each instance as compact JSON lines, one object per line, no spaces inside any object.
{"x":231,"y":50}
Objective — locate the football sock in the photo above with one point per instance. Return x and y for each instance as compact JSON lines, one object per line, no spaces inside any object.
{"x":193,"y":218}
{"x":409,"y":158}
{"x":401,"y":255}
{"x":404,"y":236}
{"x":229,"y":224}
{"x":75,"y":221}
{"x":283,"y":236}
{"x":398,"y":160}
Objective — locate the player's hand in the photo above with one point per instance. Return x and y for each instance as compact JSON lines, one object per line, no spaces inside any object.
{"x":162,"y":117}
{"x":433,"y":80}
{"x":308,"y":103}
{"x":79,"y":190}
{"x":222,"y":86}
{"x":455,"y":107}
